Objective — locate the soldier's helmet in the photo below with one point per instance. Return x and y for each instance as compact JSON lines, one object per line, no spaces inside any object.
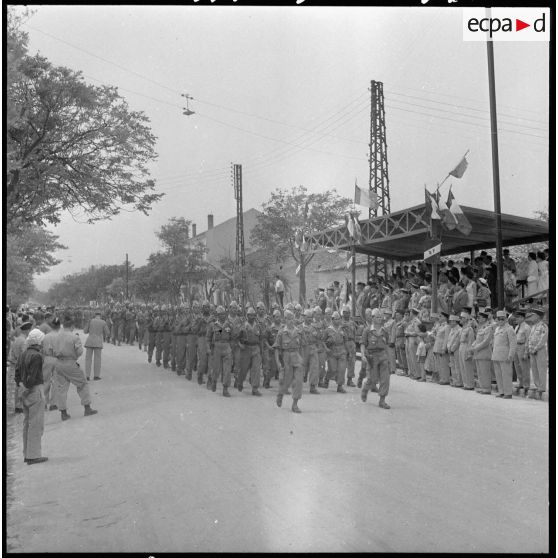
{"x":195,"y":304}
{"x":328,"y":312}
{"x":234,"y":305}
{"x":205,"y":304}
{"x":346,"y":309}
{"x":250,"y":312}
{"x":289,"y":306}
{"x":276,"y":314}
{"x":368,"y":312}
{"x":260,"y":305}
{"x":335,"y":316}
{"x":308,"y":313}
{"x":317,"y":310}
{"x":220,"y":310}
{"x":376,"y":312}
{"x":164,"y":307}
{"x":288,"y":314}
{"x":274,"y":306}
{"x":298,"y":307}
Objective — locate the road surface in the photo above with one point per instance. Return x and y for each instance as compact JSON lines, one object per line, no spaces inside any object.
{"x":168,"y":466}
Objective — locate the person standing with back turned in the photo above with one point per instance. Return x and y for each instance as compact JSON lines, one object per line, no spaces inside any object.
{"x":97,"y":329}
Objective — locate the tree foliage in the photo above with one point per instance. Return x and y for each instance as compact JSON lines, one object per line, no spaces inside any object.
{"x":71,"y":146}
{"x":291,"y":215}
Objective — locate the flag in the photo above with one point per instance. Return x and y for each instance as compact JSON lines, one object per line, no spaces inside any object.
{"x":353,"y":226}
{"x":350,"y":225}
{"x":366,"y":198}
{"x":448,"y":218}
{"x":431,"y":206}
{"x":349,"y":262}
{"x":459,"y":171}
{"x":358,"y":232}
{"x":463,"y":225}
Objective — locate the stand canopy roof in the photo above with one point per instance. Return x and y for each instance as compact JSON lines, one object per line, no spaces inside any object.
{"x":405,"y":235}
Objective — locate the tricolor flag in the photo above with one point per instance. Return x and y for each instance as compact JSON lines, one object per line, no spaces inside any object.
{"x":349,"y":262}
{"x":463,"y":224}
{"x":297,"y":271}
{"x":459,"y":171}
{"x":448,"y":218}
{"x":353,"y":226}
{"x":366,"y":198}
{"x":431,"y":206}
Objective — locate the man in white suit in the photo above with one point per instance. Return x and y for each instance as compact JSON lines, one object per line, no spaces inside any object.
{"x":97,"y":329}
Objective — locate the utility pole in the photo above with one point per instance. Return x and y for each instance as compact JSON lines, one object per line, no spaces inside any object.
{"x":126,"y":276}
{"x":378,"y":163}
{"x":495,"y":169}
{"x":240,"y":260}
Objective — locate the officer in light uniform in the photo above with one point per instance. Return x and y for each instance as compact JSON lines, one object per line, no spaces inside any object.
{"x":453,"y":350}
{"x":270,"y":337}
{"x":49,"y":365}
{"x":319,"y":324}
{"x":336,"y":342}
{"x":400,"y":354}
{"x":411,"y":343}
{"x":152,"y":325}
{"x":251,"y":339}
{"x":350,"y":329}
{"x":311,"y":341}
{"x":536,"y":347}
{"x":465,"y":352}
{"x":482,"y":353}
{"x":219,"y":334}
{"x":391,"y":327}
{"x":288,"y":347}
{"x":503,"y":352}
{"x":521,"y":358}
{"x":374,"y":347}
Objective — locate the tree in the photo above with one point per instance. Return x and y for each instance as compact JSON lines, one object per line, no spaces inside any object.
{"x":290,"y":217}
{"x":28,"y":253}
{"x":72,"y":146}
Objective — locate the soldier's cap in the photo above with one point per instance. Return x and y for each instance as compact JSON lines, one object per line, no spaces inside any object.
{"x":250,"y":312}
{"x":434,"y":315}
{"x":234,"y":304}
{"x":453,"y":318}
{"x":521,"y":313}
{"x":406,"y":291}
{"x":97,"y":312}
{"x":483,"y":314}
{"x":414,"y":285}
{"x":415,"y":310}
{"x":376,"y":312}
{"x":328,"y":311}
{"x":445,"y":314}
{"x":346,"y":308}
{"x":387,"y":287}
{"x":205,"y":304}
{"x":483,"y":281}
{"x":289,"y":306}
{"x":220,"y":310}
{"x":276,"y":313}
{"x":536,"y":311}
{"x":321,"y":289}
{"x":260,"y":304}
{"x":55,"y":322}
{"x":274,"y":305}
{"x":424,"y":287}
{"x":25,"y":326}
{"x":387,"y":311}
{"x":288,"y":314}
{"x":298,"y":307}
{"x":335,"y":316}
{"x":465,"y":315}
{"x":317,"y":310}
{"x":308,"y":313}
{"x":488,"y":310}
{"x":501,"y":314}
{"x":331,"y":287}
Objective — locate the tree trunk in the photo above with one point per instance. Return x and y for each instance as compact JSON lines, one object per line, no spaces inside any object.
{"x":302,"y":283}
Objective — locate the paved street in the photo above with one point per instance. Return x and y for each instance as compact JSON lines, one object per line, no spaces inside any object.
{"x":168,"y":466}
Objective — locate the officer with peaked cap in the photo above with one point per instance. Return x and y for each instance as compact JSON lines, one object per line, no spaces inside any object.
{"x":504,"y":346}
{"x":453,"y":350}
{"x":482,"y":353}
{"x":521,"y":359}
{"x":537,"y":349}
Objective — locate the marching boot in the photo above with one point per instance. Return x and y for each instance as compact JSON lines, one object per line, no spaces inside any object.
{"x":200,"y":379}
{"x":209,"y":384}
{"x":383,"y":403}
{"x":341,"y":389}
{"x":279,"y":399}
{"x":52,"y":408}
{"x":350,"y":383}
{"x":305,"y":379}
{"x":226,"y":392}
{"x":325,"y":384}
{"x":64,"y":414}
{"x":89,"y":411}
{"x":364,"y":395}
{"x":214,"y":386}
{"x":255,"y":391}
{"x":314,"y":390}
{"x":295,"y":408}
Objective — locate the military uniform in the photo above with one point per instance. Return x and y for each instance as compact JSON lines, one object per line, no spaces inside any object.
{"x":322,"y":353}
{"x":350,"y":329}
{"x":482,"y":353}
{"x":375,"y":344}
{"x":289,"y":345}
{"x":467,"y":366}
{"x":538,"y":354}
{"x":152,"y":325}
{"x":180,"y":330}
{"x":503,"y":351}
{"x":251,"y":337}
{"x":411,"y":344}
{"x":201,"y":326}
{"x":219,"y":340}
{"x":49,"y":366}
{"x":453,"y":351}
{"x":442,"y":358}
{"x":310,"y":344}
{"x":236,"y":322}
{"x":271,"y":336}
{"x":521,"y":358}
{"x":335,"y":340}
{"x":191,"y":347}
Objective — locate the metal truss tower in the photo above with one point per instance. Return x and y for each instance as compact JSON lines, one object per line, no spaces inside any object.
{"x":379,"y":178}
{"x":240,"y":260}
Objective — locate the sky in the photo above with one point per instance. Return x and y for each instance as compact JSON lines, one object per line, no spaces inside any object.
{"x":284,"y":91}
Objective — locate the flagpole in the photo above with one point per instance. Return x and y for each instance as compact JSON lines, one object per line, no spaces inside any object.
{"x":495,"y":169}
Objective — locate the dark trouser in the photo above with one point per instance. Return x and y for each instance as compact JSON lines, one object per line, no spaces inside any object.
{"x":377,"y":372}
{"x":141,"y":334}
{"x":180,"y":352}
{"x":400,"y":353}
{"x":68,"y":372}
{"x":293,"y":374}
{"x":280,"y":295}
{"x":202,"y":356}
{"x":114,"y":339}
{"x":310,"y":364}
{"x":322,"y":364}
{"x":235,"y":355}
{"x":130,"y":333}
{"x":33,"y":421}
{"x":522,"y":368}
{"x":336,"y":366}
{"x":351,"y":358}
{"x":191,"y":353}
{"x":151,"y":341}
{"x":158,"y":346}
{"x":167,"y":340}
{"x":250,"y":360}
{"x":222,"y":363}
